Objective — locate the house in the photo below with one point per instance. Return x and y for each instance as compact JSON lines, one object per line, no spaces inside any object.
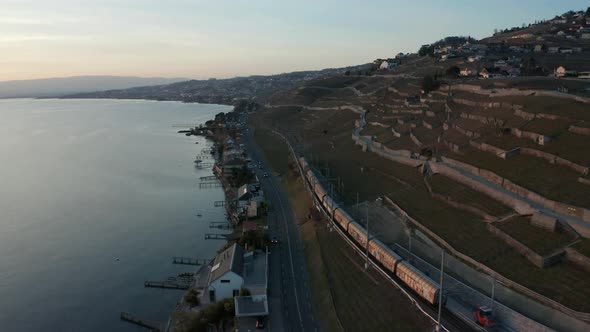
{"x":565,"y":50}
{"x":491,"y":72}
{"x":244,"y":193}
{"x":561,"y":71}
{"x":577,"y":49}
{"x":465,"y":72}
{"x":584,"y":75}
{"x":559,"y":20}
{"x":235,"y":164}
{"x":553,"y":50}
{"x":560,"y":33}
{"x":249,"y":226}
{"x":412,"y":100}
{"x":225,"y":278}
{"x":384,"y":65}
{"x":500,"y":64}
{"x":234,"y":269}
{"x":539,"y":48}
{"x":513,"y":71}
{"x":585,"y":36}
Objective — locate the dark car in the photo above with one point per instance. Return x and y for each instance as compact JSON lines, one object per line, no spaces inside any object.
{"x":265,"y":175}
{"x":260,"y":322}
{"x":274,"y":240}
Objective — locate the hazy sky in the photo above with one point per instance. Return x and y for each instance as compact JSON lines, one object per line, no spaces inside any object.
{"x":201,"y":39}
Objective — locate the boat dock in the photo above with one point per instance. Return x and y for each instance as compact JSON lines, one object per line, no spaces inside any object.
{"x":127,"y":317}
{"x":167,"y":284}
{"x":190,"y":261}
{"x":208,"y":178}
{"x":213,"y":184}
{"x":224,"y":203}
{"x":220,"y":225}
{"x":215,"y":236}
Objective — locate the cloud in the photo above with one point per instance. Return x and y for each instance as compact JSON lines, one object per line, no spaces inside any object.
{"x":38,"y":37}
{"x":21,"y":21}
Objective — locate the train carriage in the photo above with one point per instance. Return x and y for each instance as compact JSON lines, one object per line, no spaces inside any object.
{"x":320,"y":191}
{"x":304,"y":165}
{"x":358,"y":233}
{"x":384,"y":255}
{"x":329,"y":204}
{"x":425,"y":287}
{"x":342,"y":218}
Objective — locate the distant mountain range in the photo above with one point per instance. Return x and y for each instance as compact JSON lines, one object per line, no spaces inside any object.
{"x":219,"y":91}
{"x":52,"y":87}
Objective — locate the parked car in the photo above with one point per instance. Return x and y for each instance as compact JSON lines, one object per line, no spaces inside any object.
{"x":274,"y":240}
{"x":265,"y":175}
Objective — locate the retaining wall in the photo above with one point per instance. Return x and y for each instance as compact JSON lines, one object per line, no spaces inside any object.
{"x":579,"y":260}
{"x":532,"y":256}
{"x":579,"y":130}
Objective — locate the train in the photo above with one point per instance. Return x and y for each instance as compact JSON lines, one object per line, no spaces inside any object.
{"x":416,"y":280}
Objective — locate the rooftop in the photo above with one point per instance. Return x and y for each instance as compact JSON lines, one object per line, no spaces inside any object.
{"x":230,"y":259}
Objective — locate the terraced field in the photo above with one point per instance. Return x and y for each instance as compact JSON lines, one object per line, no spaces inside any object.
{"x":538,"y":239}
{"x":459,"y":193}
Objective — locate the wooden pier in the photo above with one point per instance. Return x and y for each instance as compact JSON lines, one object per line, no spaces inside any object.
{"x":220,"y":225}
{"x":206,"y":150}
{"x":204,"y":165}
{"x":215,"y":236}
{"x":214,"y":184}
{"x":127,"y":317}
{"x":190,"y":261}
{"x":208,"y":178}
{"x":167,"y":284}
{"x":224,"y":203}
{"x":203,"y":156}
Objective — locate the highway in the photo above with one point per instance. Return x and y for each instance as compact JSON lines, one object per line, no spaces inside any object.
{"x":290,"y":302}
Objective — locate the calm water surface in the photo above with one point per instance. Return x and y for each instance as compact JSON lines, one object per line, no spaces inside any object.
{"x":83,"y":182}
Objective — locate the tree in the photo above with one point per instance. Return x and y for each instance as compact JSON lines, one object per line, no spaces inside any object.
{"x":587,"y":12}
{"x":192,"y":298}
{"x":452,"y":71}
{"x":429,"y":84}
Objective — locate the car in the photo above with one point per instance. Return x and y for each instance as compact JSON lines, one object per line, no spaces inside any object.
{"x":259,"y":166}
{"x":260,"y":322}
{"x":483,"y":316}
{"x":274,"y":240}
{"x":265,"y":175}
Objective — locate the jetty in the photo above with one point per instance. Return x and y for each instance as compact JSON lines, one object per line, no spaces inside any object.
{"x":172,"y":284}
{"x":190,"y":260}
{"x":225,"y":203}
{"x":213,"y":184}
{"x":220,"y":225}
{"x":210,"y":236}
{"x":127,"y":317}
{"x":208,"y":178}
{"x":203,"y":165}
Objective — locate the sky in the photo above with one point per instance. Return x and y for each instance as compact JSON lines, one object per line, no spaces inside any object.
{"x":202,"y":39}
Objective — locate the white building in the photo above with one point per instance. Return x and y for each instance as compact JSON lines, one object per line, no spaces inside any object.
{"x":225,"y":280}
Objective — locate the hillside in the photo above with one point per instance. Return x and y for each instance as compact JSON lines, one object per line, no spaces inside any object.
{"x":48,"y":87}
{"x":218,"y":91}
{"x":478,"y":141}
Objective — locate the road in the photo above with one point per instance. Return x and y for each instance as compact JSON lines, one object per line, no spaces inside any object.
{"x":290,"y":302}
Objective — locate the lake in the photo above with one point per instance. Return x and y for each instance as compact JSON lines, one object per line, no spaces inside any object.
{"x":84,"y":183}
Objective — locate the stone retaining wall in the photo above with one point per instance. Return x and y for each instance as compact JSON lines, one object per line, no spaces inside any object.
{"x":537,"y":138}
{"x":566,"y":209}
{"x":579,"y":130}
{"x":579,"y":260}
{"x":532,"y":256}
